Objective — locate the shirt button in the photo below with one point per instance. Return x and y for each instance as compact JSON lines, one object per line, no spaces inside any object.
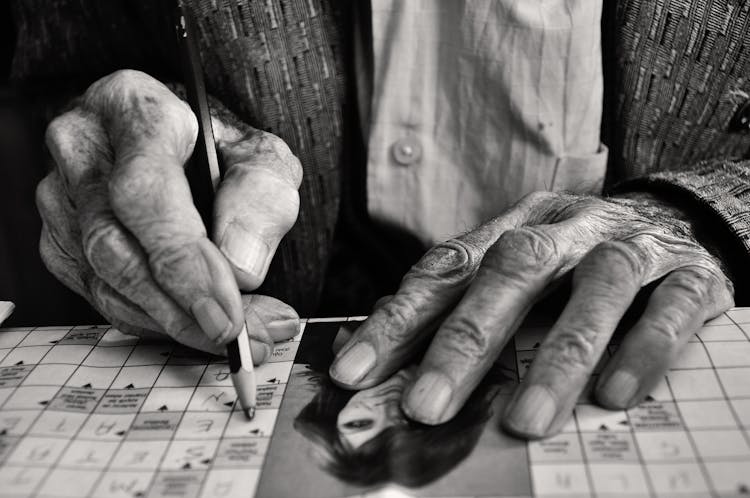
{"x":406,"y":151}
{"x":741,"y":120}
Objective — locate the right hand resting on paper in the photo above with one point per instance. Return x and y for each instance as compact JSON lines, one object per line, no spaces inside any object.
{"x":121,"y":230}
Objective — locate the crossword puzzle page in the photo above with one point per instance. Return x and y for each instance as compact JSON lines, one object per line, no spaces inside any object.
{"x":89,"y":411}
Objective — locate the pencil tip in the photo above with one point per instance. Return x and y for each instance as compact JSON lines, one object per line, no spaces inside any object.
{"x":250,"y":413}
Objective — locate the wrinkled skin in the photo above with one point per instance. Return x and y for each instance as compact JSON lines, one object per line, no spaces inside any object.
{"x":121,"y":230}
{"x":466,"y":297}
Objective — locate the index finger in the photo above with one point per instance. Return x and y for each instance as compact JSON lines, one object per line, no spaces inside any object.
{"x":395,"y":331}
{"x":152,"y":133}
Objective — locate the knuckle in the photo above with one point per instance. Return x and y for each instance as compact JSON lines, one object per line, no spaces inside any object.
{"x":452,"y":258}
{"x":55,"y":132}
{"x":267,"y":146}
{"x":59,"y":264}
{"x":572,"y":348}
{"x":49,"y":253}
{"x":397,"y":314}
{"x":538,"y":197}
{"x":106,"y":250}
{"x":688,"y":285}
{"x":666,"y":330}
{"x":170,"y":262}
{"x":467,"y":339}
{"x":521,"y":252}
{"x":129,"y":186}
{"x":46,"y":191}
{"x":612,"y":259}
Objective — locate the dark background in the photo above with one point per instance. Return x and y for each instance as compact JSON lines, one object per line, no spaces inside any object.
{"x":39,"y":298}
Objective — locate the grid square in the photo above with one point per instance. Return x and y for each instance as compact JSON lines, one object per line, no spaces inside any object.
{"x":742,"y":409}
{"x":620,"y":479}
{"x":729,"y":332}
{"x":33,"y":450}
{"x":106,"y":426}
{"x":212,"y":398}
{"x":729,"y":354}
{"x":673,"y":479}
{"x":167,"y":399}
{"x":694,"y":384}
{"x":12,"y":338}
{"x":69,"y":482}
{"x":150,"y":354}
{"x":194,"y":455}
{"x":736,"y":381}
{"x":93,"y":377}
{"x":82,"y":454}
{"x":49,"y":375}
{"x":30,"y":397}
{"x":112,"y":356}
{"x":715,"y":444}
{"x":234,"y":483}
{"x":707,"y":414}
{"x":260,"y":426}
{"x":5,"y":393}
{"x":740,"y":315}
{"x":730,"y":478}
{"x":202,"y":425}
{"x":664,"y":446}
{"x":722,"y":319}
{"x":136,"y":377}
{"x":72,"y":354}
{"x":57,"y":424}
{"x":559,"y":448}
{"x":693,"y":355}
{"x":216,"y":374}
{"x":16,"y":422}
{"x":44,"y":337}
{"x":139,"y":455}
{"x":180,"y":375}
{"x":559,"y":479}
{"x":20,"y":480}
{"x":26,"y":355}
{"x":122,"y":484}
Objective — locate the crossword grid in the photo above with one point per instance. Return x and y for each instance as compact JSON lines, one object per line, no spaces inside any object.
{"x":88,"y":411}
{"x":688,"y":439}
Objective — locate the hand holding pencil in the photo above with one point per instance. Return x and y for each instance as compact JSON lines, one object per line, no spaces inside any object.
{"x":121,"y":229}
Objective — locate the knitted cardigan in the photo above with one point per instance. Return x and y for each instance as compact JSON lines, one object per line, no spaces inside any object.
{"x":676,"y":77}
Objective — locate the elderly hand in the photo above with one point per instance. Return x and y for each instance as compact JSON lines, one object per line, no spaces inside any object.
{"x":121,"y":230}
{"x":467,"y":296}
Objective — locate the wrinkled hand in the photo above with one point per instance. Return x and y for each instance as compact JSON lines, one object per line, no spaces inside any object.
{"x":467,"y":296}
{"x":121,"y":230}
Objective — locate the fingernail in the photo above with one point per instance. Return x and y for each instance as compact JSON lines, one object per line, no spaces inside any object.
{"x":342,"y":337}
{"x":620,"y":388}
{"x":428,"y":399}
{"x":260,"y":351}
{"x":532,"y":412}
{"x":211,"y":317}
{"x":283,"y":327}
{"x":355,"y":364}
{"x":246,"y":251}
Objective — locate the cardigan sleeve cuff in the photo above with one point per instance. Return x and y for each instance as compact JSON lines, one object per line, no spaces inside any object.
{"x":718,"y":192}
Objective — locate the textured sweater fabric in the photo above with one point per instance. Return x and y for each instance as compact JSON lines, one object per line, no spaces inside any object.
{"x":675,"y":78}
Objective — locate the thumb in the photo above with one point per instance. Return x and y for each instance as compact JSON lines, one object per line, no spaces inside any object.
{"x":256,"y":204}
{"x":268,"y":321}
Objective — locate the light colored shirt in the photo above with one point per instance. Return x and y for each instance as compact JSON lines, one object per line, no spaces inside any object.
{"x":475,"y":103}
